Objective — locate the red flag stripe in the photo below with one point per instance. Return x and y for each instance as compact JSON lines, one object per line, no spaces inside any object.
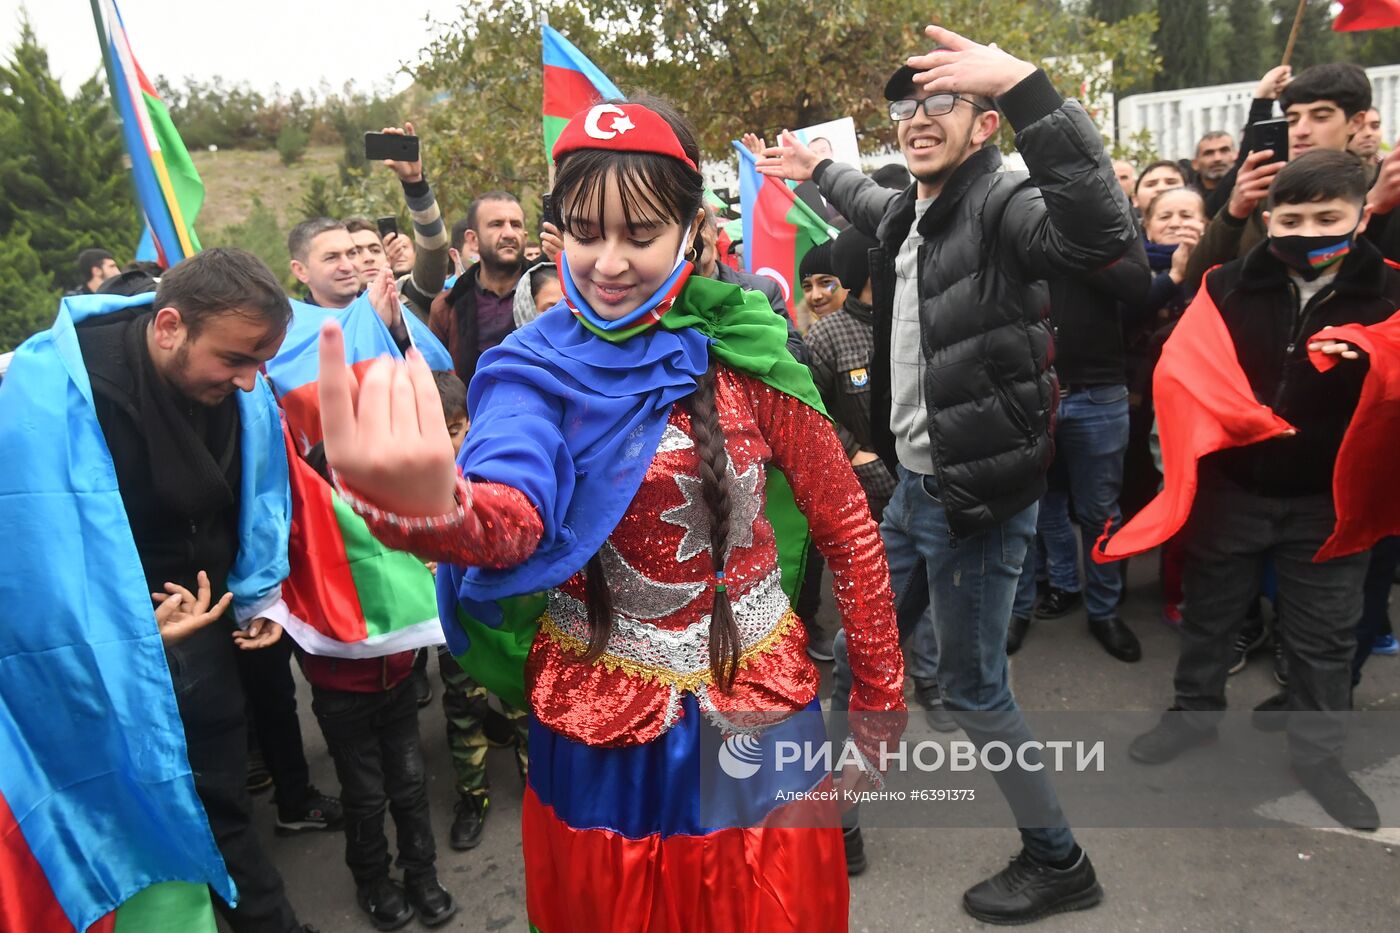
{"x":566,"y":92}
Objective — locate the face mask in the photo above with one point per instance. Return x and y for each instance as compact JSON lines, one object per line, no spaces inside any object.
{"x":1310,"y":256}
{"x":646,"y":314}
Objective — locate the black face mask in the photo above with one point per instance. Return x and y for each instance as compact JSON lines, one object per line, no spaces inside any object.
{"x":1310,"y":256}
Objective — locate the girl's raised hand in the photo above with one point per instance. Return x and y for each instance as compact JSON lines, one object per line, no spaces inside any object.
{"x":386,"y":439}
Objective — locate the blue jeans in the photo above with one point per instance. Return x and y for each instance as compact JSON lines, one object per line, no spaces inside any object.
{"x":970,"y":584}
{"x":1091,"y":434}
{"x":1061,"y":557}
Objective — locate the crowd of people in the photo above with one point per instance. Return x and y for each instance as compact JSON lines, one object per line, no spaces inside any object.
{"x":979,"y":362}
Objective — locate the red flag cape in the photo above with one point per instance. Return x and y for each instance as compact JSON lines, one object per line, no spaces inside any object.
{"x":1205,"y":404}
{"x":1367,"y":14}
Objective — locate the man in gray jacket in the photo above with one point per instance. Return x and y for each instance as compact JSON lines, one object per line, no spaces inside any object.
{"x":963,"y":396}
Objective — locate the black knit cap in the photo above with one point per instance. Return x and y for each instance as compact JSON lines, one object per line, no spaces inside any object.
{"x":817,"y":261}
{"x":850,"y":256}
{"x":900,"y":86}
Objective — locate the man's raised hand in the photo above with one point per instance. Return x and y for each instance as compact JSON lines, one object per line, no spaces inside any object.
{"x":388,"y":443}
{"x":790,"y":159}
{"x":407,"y":171}
{"x":961,"y":66}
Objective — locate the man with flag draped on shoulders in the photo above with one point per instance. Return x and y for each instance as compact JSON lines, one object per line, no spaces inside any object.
{"x":145,"y":504}
{"x":1278,"y":406}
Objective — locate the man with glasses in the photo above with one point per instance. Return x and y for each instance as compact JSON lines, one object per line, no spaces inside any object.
{"x":962,"y":389}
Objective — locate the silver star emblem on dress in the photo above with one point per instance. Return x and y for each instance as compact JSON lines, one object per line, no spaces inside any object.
{"x":637,"y":595}
{"x":694,"y":515}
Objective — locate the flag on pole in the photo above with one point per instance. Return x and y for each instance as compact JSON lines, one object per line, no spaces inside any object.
{"x":167,"y":184}
{"x":1357,"y":15}
{"x":778,"y":228}
{"x":572,"y":83}
{"x":348,"y":595}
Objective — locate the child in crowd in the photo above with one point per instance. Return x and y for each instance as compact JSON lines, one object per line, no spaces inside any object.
{"x":367,"y":709}
{"x":1274,"y":498}
{"x":472,"y":724}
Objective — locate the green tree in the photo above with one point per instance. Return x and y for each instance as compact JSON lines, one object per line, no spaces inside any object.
{"x":63,"y":182}
{"x":28,"y":298}
{"x":1182,"y":41}
{"x":262,"y":235}
{"x":1250,"y":52}
{"x":758,"y":65}
{"x":291,"y":144}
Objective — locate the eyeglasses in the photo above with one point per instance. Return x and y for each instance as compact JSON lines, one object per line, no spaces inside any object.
{"x":935,"y":106}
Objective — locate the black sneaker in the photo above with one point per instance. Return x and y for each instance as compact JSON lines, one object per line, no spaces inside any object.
{"x":259,"y":778}
{"x":468,"y":821}
{"x":1028,"y":889}
{"x":1170,"y":737}
{"x":935,"y":713}
{"x":318,"y":813}
{"x":1272,"y":714}
{"x":1056,"y":603}
{"x":434,"y":905}
{"x":1250,"y":639}
{"x":1016,"y":633}
{"x":855,"y":851}
{"x":1340,"y":796}
{"x":1280,"y":662}
{"x":385,"y":903}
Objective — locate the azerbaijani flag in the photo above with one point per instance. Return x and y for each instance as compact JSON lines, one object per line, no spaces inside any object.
{"x":101,"y":828}
{"x":572,"y":83}
{"x":1357,"y":15}
{"x":167,"y":184}
{"x":348,"y":595}
{"x":778,"y":228}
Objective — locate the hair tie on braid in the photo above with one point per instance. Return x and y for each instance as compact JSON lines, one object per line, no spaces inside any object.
{"x":719,"y":582}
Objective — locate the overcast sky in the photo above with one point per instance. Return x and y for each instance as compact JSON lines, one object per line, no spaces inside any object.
{"x":297,"y":43}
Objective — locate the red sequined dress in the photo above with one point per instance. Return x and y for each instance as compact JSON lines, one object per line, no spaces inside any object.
{"x":656,"y":668}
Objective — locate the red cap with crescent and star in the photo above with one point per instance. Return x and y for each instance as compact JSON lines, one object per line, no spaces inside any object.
{"x":621,"y":128}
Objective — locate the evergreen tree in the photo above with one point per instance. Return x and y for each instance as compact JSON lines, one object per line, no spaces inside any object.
{"x":1251,"y":53}
{"x":63,"y":181}
{"x":1183,"y":42}
{"x":28,"y":299}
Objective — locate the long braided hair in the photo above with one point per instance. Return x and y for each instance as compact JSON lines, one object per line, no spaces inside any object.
{"x":648,"y":184}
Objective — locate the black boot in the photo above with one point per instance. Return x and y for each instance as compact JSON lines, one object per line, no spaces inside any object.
{"x":1117,"y":639}
{"x":434,"y":905}
{"x":1272,"y":714}
{"x":1340,"y":796}
{"x":468,"y":821}
{"x":1016,"y":633}
{"x":1029,"y":889}
{"x":855,"y":851}
{"x":383,"y":900}
{"x":1170,"y":737}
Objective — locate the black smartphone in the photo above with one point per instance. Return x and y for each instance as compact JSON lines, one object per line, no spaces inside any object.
{"x":547,"y":210}
{"x":381,"y":146}
{"x":387,"y":225}
{"x":1270,"y":134}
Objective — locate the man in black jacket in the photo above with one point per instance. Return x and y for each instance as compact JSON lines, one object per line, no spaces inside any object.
{"x":962,"y":390}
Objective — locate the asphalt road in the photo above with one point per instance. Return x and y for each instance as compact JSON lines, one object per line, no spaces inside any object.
{"x":1274,"y":879}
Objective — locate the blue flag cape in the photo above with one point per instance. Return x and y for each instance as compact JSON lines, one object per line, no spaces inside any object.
{"x":95,"y":768}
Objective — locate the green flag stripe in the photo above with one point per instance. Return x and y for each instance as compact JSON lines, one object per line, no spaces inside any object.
{"x":184,"y":178}
{"x":169,"y":907}
{"x":553,"y":126}
{"x":395,"y":588}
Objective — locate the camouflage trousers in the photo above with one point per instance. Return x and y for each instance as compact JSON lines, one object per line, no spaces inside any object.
{"x":473,"y":726}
